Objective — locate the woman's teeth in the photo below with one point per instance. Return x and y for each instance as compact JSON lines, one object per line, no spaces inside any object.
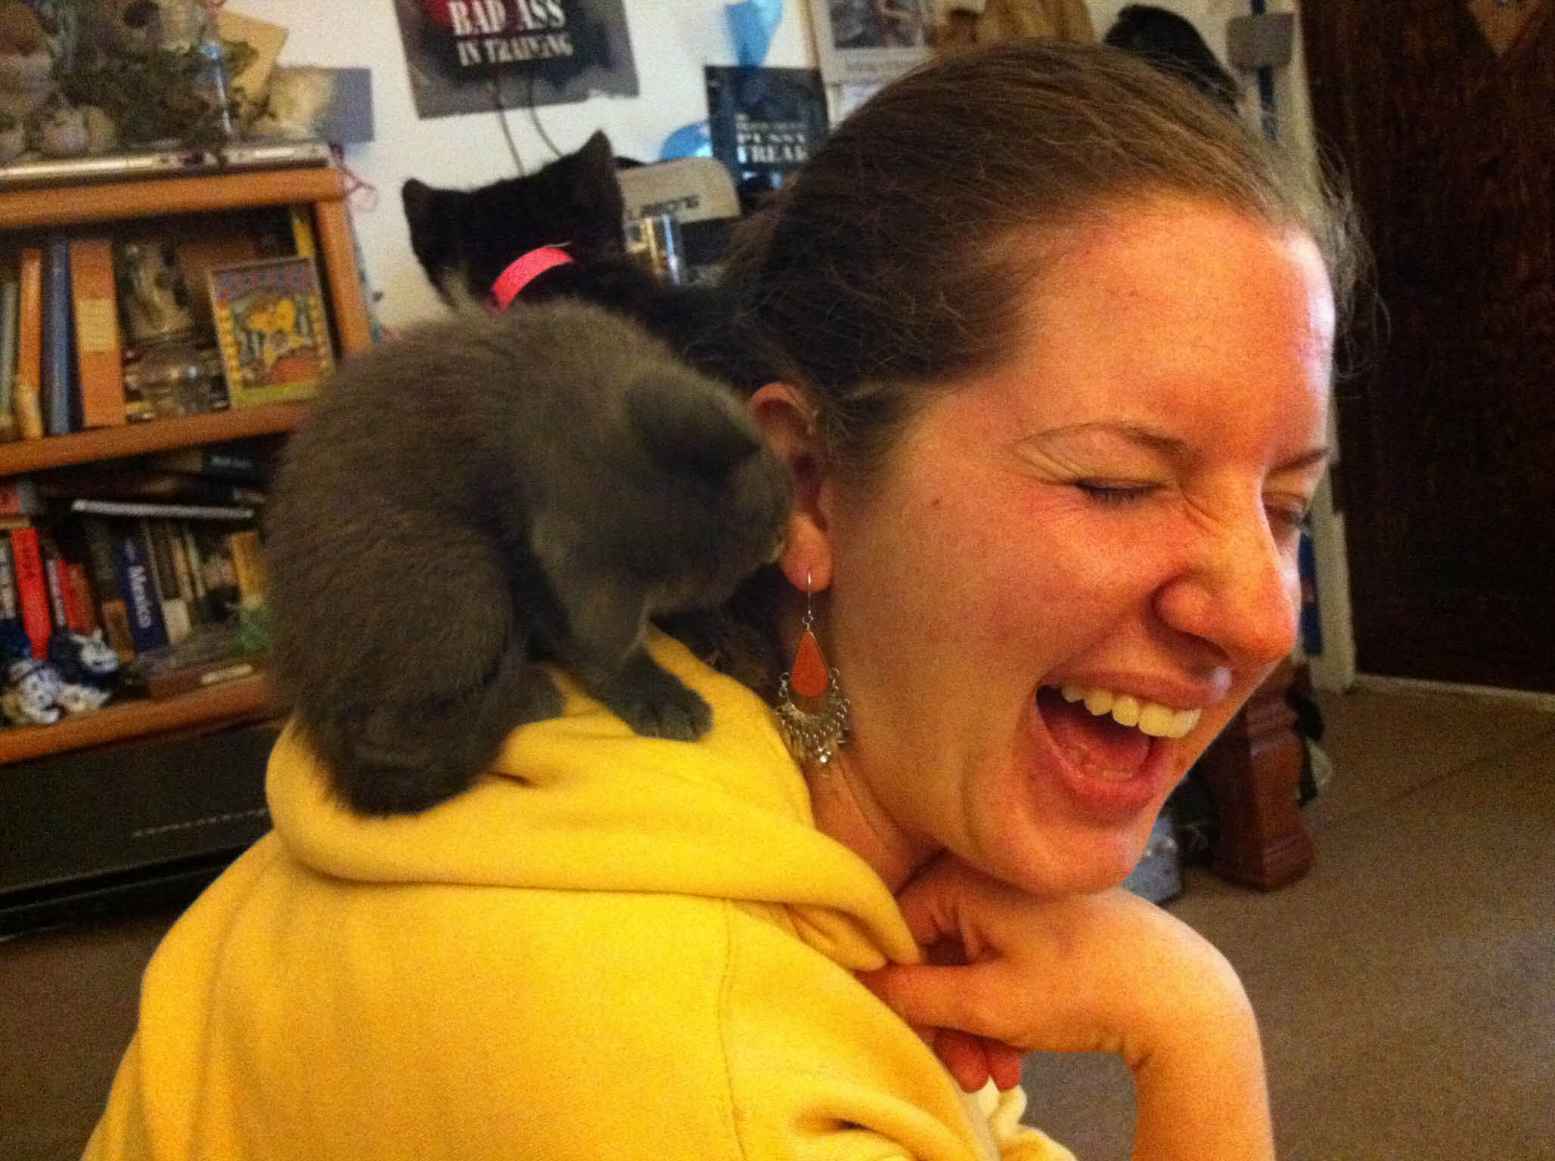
{"x":1149,"y":717}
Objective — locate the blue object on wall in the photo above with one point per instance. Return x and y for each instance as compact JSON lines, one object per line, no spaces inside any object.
{"x":688,"y":141}
{"x":752,"y":23}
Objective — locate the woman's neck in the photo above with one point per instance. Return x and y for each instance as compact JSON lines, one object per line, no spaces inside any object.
{"x":846,"y":811}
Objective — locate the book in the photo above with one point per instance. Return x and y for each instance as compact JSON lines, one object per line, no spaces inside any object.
{"x":249,"y":563}
{"x":84,"y":618}
{"x":218,"y":461}
{"x":137,"y":585}
{"x":60,"y":400}
{"x":28,"y":388}
{"x":10,"y":292}
{"x":111,"y":606}
{"x":176,"y":615}
{"x":211,"y":655}
{"x":99,"y":351}
{"x":763,"y":124}
{"x":10,"y":609}
{"x":272,"y":330}
{"x":32,"y":591}
{"x":218,"y":573}
{"x":19,"y":496}
{"x":138,"y":508}
{"x":55,"y":578}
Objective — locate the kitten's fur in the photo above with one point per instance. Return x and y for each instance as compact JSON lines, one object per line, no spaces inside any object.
{"x":465,"y":238}
{"x":486,"y":487}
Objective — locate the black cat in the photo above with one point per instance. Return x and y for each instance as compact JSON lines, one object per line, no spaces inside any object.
{"x":485,"y":489}
{"x":464,"y":239}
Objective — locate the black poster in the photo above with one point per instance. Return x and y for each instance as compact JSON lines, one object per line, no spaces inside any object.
{"x":467,"y":56}
{"x":763,"y":123}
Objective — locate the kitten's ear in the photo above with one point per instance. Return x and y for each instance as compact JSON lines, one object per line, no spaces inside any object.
{"x":420,"y":201}
{"x":685,"y":429}
{"x":597,"y":153}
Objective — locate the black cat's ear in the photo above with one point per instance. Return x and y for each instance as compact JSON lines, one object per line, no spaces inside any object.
{"x":685,"y":429}
{"x":420,"y":200}
{"x":597,"y":152}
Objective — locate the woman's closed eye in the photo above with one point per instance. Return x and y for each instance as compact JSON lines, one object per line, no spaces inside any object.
{"x":1115,"y":492}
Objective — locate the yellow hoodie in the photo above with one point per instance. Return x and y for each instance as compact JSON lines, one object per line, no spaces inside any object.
{"x":612,"y":947}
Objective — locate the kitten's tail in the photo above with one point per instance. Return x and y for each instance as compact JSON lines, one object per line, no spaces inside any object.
{"x":405,"y":758}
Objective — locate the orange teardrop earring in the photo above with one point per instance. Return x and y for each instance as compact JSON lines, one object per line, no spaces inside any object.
{"x":814,"y":734}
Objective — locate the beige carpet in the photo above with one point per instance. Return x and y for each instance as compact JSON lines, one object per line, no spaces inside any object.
{"x":1406,"y":987}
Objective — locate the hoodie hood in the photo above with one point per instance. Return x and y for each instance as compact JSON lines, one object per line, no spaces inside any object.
{"x":582,"y":803}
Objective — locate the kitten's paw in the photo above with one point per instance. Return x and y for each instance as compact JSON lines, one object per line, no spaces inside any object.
{"x":657,"y":705}
{"x":536,"y":698}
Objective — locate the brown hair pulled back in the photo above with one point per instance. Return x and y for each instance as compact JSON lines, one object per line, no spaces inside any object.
{"x":890,"y":263}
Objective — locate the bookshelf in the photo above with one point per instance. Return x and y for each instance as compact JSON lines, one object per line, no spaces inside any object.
{"x":323,"y":191}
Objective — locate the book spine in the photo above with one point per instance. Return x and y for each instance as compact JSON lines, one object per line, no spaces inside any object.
{"x":83,"y":614}
{"x":111,"y":606}
{"x":167,"y":511}
{"x":28,"y":389}
{"x":32,"y":590}
{"x":221,"y":583}
{"x":59,"y":400}
{"x":248,"y":560}
{"x":54,"y":576}
{"x":10,"y":610}
{"x":10,"y":295}
{"x":19,"y":497}
{"x":175,"y":614}
{"x":99,"y":352}
{"x":137,"y":584}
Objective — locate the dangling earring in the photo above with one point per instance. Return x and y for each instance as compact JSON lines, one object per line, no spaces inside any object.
{"x":811,"y":736}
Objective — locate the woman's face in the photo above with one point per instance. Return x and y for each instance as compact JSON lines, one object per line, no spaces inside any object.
{"x":1115,"y":510}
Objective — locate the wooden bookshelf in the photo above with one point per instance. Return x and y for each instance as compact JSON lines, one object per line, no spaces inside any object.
{"x":246,"y":698}
{"x":78,"y":208}
{"x":155,"y":435}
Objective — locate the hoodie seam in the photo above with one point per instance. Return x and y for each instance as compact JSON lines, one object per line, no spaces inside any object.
{"x":725,"y":1003}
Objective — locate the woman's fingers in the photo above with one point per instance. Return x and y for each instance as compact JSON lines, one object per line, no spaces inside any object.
{"x":964,"y":1056}
{"x":959,"y":997}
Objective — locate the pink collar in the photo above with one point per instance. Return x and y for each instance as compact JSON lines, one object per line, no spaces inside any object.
{"x":522,"y":271}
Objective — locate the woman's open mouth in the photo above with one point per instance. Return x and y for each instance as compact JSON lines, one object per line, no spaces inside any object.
{"x":1113,"y":751}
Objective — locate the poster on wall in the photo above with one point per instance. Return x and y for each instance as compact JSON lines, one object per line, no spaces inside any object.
{"x":470,"y":56}
{"x":868,"y":42}
{"x":763,"y":123}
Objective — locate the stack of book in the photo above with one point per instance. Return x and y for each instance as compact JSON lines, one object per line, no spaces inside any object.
{"x":98,"y":330}
{"x":163,"y":555}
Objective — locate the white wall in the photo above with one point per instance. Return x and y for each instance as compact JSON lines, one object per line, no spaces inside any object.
{"x":671,"y":41}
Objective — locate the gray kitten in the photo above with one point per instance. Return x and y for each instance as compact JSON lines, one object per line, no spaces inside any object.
{"x":486,"y":490}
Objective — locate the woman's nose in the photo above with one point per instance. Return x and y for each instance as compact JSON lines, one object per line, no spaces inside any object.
{"x":1238,"y":589}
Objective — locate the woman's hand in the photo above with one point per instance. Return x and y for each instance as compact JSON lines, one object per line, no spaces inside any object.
{"x":1091,"y":973}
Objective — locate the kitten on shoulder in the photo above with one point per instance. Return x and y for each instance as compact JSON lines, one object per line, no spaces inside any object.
{"x":485,"y":490}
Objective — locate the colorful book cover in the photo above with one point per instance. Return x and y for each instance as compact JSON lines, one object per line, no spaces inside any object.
{"x":28,"y":390}
{"x":60,"y":399}
{"x":763,"y":124}
{"x":10,"y":289}
{"x":32,"y":590}
{"x":99,"y":352}
{"x":272,"y":330}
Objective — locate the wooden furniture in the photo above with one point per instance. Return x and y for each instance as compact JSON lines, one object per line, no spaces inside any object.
{"x":1253,"y":771}
{"x":323,"y":189}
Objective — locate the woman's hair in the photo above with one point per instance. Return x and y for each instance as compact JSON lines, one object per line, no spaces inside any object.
{"x":890,"y":263}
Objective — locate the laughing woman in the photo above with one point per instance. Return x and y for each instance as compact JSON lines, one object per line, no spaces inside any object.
{"x":1055,"y":340}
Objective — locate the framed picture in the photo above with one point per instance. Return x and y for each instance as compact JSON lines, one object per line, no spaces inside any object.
{"x":271,"y":329}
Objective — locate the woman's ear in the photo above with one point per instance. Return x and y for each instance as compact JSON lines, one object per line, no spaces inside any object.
{"x":787,"y":421}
